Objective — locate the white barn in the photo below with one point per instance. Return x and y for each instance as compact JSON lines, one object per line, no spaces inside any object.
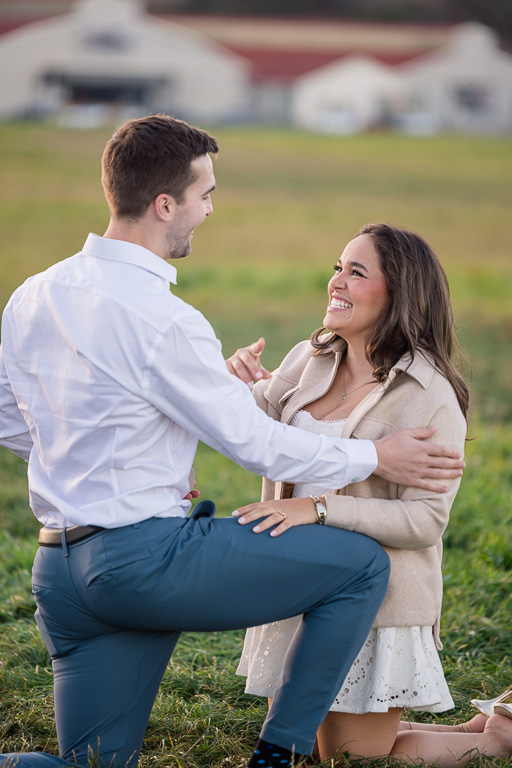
{"x":110,"y":52}
{"x":338,"y":77}
{"x":465,"y":86}
{"x":347,"y":96}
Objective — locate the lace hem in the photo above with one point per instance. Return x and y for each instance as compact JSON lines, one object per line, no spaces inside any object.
{"x":396,"y":667}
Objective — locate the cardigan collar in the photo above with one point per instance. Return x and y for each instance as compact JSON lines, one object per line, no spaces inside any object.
{"x":321,"y":368}
{"x":317,"y":377}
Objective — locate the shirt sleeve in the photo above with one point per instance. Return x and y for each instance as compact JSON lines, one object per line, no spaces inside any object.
{"x":188,"y":381}
{"x":14,"y":433}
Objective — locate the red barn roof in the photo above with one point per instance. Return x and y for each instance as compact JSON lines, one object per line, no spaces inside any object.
{"x":284,"y":49}
{"x":279,"y":49}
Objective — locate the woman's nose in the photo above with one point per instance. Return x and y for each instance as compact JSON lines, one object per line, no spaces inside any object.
{"x":338,"y":280}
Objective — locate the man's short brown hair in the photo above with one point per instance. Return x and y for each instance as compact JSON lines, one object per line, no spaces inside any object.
{"x":150,"y":156}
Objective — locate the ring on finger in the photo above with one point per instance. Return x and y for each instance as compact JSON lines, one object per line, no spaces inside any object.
{"x":280,"y":512}
{"x":253,"y":353}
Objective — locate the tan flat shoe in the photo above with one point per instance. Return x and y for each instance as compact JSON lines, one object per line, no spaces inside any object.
{"x":487,"y":706}
{"x":503,"y":709}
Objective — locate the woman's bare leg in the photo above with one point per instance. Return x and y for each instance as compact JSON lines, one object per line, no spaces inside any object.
{"x":380,"y":734}
{"x":451,"y":750}
{"x":475,"y":725}
{"x":370,"y":735}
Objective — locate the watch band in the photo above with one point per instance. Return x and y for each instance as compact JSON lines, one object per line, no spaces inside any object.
{"x":320,"y":509}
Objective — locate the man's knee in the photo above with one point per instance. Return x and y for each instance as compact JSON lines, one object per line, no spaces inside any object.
{"x":356,"y":549}
{"x":378,"y":563}
{"x":370,"y":563}
{"x":379,"y":570}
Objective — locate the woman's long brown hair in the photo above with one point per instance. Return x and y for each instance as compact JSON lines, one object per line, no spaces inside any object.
{"x":418,"y":316}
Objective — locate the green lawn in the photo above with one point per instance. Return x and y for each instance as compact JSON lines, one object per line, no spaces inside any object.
{"x":285,"y":206}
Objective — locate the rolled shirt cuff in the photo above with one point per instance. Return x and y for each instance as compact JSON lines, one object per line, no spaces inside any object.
{"x":363,"y":460}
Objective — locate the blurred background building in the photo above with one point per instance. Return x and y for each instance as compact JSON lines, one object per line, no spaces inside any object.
{"x":85,"y":62}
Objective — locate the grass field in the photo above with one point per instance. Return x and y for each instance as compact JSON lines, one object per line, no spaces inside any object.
{"x":285,"y":206}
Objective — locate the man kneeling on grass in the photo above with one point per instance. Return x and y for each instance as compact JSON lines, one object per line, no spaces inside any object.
{"x":107,"y":381}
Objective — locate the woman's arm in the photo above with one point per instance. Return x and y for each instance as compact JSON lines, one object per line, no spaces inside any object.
{"x":403,"y":523}
{"x":412,"y":521}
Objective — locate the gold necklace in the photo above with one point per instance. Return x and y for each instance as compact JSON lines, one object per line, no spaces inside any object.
{"x":359,"y":387}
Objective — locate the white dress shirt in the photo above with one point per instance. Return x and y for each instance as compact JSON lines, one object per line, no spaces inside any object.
{"x":107,"y":382}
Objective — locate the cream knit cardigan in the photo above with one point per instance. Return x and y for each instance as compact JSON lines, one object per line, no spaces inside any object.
{"x":407,"y":522}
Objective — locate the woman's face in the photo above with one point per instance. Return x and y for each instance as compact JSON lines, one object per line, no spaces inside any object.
{"x":357,"y":291}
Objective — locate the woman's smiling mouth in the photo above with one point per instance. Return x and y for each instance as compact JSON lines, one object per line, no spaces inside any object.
{"x":339,"y":304}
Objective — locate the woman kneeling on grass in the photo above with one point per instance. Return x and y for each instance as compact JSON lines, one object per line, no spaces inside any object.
{"x":381,"y":361}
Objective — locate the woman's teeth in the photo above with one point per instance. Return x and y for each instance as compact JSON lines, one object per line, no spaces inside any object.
{"x":340,"y":304}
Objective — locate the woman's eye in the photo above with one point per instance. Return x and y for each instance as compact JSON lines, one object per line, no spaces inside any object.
{"x":337,"y":268}
{"x":357,"y":273}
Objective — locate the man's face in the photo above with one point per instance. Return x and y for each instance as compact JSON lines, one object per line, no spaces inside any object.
{"x":196,"y":206}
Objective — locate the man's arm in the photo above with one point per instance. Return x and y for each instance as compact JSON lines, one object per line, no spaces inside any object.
{"x":406,"y":459}
{"x":14,"y":433}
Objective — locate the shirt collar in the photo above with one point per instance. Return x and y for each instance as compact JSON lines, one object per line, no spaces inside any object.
{"x":421,"y":368}
{"x":129,"y":253}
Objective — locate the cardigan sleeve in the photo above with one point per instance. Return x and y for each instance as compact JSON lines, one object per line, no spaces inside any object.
{"x":258,"y":392}
{"x":268,"y":392}
{"x":402,"y":517}
{"x":404,"y":523}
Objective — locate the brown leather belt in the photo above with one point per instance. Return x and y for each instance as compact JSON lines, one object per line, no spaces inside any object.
{"x":52,"y":537}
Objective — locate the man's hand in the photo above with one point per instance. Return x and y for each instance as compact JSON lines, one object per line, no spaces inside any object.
{"x":246,"y":363}
{"x":405,"y":459}
{"x":193,"y":493}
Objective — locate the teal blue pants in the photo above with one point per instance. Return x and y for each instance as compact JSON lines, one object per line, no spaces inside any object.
{"x":111,"y":609}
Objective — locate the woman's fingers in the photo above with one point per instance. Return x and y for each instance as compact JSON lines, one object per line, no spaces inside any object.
{"x":246,"y":362}
{"x":278,"y":515}
{"x":251,"y":361}
{"x":252,"y":512}
{"x":237,"y":366}
{"x":276,"y":519}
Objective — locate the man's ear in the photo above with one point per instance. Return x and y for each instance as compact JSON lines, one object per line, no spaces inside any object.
{"x":164,"y":207}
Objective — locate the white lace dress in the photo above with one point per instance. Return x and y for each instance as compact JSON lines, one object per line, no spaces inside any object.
{"x":396,"y":667}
